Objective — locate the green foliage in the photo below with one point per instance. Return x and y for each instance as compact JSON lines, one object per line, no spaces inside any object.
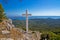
{"x":52,"y":36}
{"x":24,"y":28}
{"x":2,"y":15}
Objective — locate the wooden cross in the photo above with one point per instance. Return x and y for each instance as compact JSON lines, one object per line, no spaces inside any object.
{"x":26,"y":19}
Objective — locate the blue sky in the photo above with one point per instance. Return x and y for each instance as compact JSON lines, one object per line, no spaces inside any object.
{"x":35,"y":7}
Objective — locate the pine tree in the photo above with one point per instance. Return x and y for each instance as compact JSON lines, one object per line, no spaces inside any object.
{"x":2,"y":15}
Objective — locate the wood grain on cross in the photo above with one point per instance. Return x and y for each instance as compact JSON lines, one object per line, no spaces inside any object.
{"x":26,"y":19}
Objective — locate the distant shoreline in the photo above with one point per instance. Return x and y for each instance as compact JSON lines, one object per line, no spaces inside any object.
{"x":34,"y":17}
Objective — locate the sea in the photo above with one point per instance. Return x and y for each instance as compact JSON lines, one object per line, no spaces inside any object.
{"x":34,"y":17}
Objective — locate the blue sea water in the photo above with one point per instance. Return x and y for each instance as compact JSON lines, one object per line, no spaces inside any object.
{"x":35,"y":17}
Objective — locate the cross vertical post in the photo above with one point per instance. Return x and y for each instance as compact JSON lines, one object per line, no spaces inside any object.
{"x":26,"y":19}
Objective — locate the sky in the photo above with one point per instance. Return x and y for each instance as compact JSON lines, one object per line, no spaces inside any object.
{"x":34,"y":7}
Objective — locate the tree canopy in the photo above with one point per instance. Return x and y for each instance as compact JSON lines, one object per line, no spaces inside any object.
{"x":2,"y":14}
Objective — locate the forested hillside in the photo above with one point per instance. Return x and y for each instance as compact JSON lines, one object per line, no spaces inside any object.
{"x":50,"y":26}
{"x":40,"y":24}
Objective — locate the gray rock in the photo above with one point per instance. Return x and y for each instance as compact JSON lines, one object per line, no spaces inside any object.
{"x":8,"y":27}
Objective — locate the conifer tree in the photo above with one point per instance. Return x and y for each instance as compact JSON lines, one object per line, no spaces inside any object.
{"x":2,"y":15}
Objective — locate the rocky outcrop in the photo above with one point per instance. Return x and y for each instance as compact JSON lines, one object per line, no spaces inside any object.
{"x":32,"y":36}
{"x":9,"y":32}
